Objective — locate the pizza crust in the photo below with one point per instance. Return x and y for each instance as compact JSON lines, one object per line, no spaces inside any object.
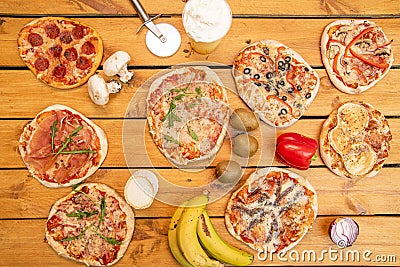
{"x":29,"y":130}
{"x":332,"y":75}
{"x":96,"y":59}
{"x":130,"y":221}
{"x":254,"y":183}
{"x":355,"y":154}
{"x":256,"y":96}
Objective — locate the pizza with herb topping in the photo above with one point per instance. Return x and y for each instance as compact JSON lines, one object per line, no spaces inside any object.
{"x":188,"y":113}
{"x":61,"y":52}
{"x":356,"y":54}
{"x":92,"y":225}
{"x":275,"y":82}
{"x":61,"y":147}
{"x":272,"y":211}
{"x":355,"y":140}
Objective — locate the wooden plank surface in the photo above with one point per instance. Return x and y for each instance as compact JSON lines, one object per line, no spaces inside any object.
{"x":373,"y":202}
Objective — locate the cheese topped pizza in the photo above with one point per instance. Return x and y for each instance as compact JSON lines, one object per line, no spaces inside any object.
{"x":272,"y":211}
{"x":356,"y":54}
{"x":61,"y":52}
{"x":275,"y":82}
{"x":355,"y":140}
{"x":188,"y":113}
{"x":61,"y":147}
{"x":92,"y":225}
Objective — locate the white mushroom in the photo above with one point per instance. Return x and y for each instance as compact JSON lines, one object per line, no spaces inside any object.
{"x":116,"y":64}
{"x":99,"y":90}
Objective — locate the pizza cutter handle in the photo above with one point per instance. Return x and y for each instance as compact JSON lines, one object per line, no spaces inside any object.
{"x":140,"y":10}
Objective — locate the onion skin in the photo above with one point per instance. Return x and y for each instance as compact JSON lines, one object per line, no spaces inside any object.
{"x":343,"y":231}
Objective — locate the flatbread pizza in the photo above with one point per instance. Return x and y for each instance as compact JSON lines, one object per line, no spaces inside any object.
{"x":61,"y":52}
{"x":356,"y":54}
{"x":275,"y":82}
{"x":188,"y":113}
{"x":61,"y":147}
{"x":355,"y":140}
{"x":93,"y":225}
{"x":272,"y":211}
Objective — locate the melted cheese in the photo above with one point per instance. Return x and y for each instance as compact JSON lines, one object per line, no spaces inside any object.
{"x":360,"y":160}
{"x":353,"y":118}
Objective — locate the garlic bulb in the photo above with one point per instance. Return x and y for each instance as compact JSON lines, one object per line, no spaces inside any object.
{"x":343,"y":231}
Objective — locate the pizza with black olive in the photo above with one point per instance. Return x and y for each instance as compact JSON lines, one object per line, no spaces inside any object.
{"x":188,"y":113}
{"x":272,"y":211}
{"x":355,"y":140}
{"x":92,"y":225}
{"x":275,"y":82}
{"x":356,"y":54}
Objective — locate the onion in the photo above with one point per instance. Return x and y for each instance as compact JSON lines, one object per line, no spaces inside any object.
{"x":343,"y":231}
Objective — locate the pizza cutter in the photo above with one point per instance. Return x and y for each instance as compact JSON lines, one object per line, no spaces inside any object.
{"x":163,"y":39}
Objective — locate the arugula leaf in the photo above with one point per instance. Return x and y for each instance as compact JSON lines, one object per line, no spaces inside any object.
{"x":198,"y":91}
{"x":102,"y":210}
{"x":110,"y":240}
{"x":80,"y":151}
{"x":171,"y":139}
{"x":75,"y":186}
{"x":193,"y":134}
{"x":82,"y":214}
{"x":53,"y":134}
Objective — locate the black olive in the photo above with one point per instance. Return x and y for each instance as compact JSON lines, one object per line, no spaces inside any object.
{"x":257,"y":83}
{"x":308,"y":95}
{"x":281,"y":68}
{"x":306,"y":69}
{"x":287,"y":66}
{"x":290,"y":90}
{"x":266,"y":50}
{"x":246,"y":71}
{"x":287,"y":59}
{"x":263,"y":59}
{"x":280,"y":63}
{"x":269,"y":75}
{"x":298,"y":87}
{"x":283,"y":111}
{"x":276,"y":92}
{"x":281,"y":83}
{"x":267,"y":87}
{"x":284,"y":98}
{"x":257,"y":76}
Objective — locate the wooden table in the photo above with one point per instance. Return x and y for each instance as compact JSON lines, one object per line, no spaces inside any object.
{"x":373,"y":203}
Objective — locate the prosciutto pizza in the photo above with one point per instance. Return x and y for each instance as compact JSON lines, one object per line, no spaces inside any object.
{"x":62,"y":53}
{"x":272,"y":211}
{"x":356,"y":54}
{"x":188,"y":113}
{"x":61,"y":147}
{"x":92,"y":225}
{"x":355,"y":140}
{"x":275,"y":82}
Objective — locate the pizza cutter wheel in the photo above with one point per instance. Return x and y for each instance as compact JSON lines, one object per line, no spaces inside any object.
{"x":163,"y":39}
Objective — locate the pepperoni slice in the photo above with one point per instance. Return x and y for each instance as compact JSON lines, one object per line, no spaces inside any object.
{"x":65,"y":37}
{"x":52,"y":31}
{"x":55,"y":51}
{"x":88,"y":48}
{"x":35,"y":39}
{"x":59,"y":71}
{"x":77,"y":32}
{"x":83,"y":63}
{"x":71,"y":54}
{"x":41,"y":63}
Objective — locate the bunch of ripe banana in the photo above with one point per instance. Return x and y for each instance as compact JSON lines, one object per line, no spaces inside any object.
{"x":194,"y":242}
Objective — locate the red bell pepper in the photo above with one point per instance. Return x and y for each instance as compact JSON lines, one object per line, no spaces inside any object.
{"x":296,"y":150}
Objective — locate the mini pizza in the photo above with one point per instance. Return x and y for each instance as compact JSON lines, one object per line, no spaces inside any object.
{"x":275,"y":82}
{"x":62,"y":53}
{"x":355,"y":140}
{"x":61,"y":147}
{"x":92,"y":225}
{"x":356,"y":54}
{"x":272,"y":211}
{"x":188,"y":114}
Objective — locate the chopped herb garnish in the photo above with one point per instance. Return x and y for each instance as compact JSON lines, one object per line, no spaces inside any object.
{"x":53,"y":134}
{"x":67,"y":141}
{"x":171,"y":139}
{"x":80,"y":151}
{"x":82,"y":214}
{"x":102,"y":210}
{"x":198,"y":91}
{"x":193,"y":134}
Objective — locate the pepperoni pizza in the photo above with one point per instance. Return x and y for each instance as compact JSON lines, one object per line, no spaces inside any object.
{"x":92,"y":225}
{"x":61,"y":52}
